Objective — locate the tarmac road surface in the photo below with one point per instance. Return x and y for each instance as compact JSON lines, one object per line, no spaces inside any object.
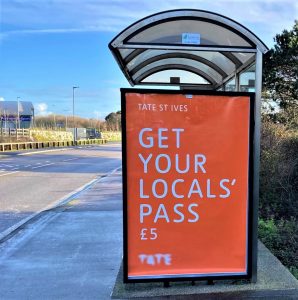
{"x":34,"y":181}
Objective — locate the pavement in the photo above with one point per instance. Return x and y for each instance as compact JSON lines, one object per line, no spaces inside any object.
{"x":275,"y":282}
{"x":72,"y":251}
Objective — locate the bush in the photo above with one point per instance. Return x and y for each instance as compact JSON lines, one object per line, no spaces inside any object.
{"x":278,"y":227}
{"x":278,"y":172}
{"x":281,"y":237}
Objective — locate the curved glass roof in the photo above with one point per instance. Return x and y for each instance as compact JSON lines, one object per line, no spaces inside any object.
{"x":184,"y":47}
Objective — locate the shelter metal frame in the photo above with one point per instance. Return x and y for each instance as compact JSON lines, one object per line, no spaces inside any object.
{"x":236,"y":41}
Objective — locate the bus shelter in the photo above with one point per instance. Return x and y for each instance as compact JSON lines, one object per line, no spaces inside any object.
{"x":197,"y":50}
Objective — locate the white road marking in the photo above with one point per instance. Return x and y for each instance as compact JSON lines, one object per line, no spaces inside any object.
{"x":9,"y":173}
{"x":45,"y":151}
{"x":70,"y":159}
{"x":42,"y":166}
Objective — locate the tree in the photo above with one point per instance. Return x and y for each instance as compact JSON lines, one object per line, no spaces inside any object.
{"x":279,"y":163}
{"x":281,"y":69}
{"x":113,"y":121}
{"x":60,"y":121}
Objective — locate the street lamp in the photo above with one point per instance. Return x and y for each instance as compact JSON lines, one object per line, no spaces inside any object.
{"x":73,"y":118}
{"x":18,"y":101}
{"x":18,"y":118}
{"x":54,"y":115}
{"x":32,"y":120}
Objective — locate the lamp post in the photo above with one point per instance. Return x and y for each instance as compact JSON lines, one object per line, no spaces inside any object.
{"x":18,"y":119}
{"x":18,"y":101}
{"x":32,"y":120}
{"x":73,"y":118}
{"x":54,"y":115}
{"x":67,"y":111}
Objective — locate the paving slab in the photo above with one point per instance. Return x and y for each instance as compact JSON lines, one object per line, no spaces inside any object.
{"x":70,"y":252}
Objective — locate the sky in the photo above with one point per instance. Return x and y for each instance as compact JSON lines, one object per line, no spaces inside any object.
{"x":49,"y":46}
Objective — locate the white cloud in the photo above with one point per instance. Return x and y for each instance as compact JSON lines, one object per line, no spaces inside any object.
{"x":41,"y":109}
{"x":59,"y":16}
{"x":265,"y":18}
{"x":2,"y":99}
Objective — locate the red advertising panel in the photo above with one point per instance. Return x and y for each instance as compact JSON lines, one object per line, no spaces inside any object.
{"x":186,"y":184}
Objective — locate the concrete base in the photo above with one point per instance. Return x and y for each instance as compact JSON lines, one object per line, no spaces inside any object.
{"x":274,"y":282}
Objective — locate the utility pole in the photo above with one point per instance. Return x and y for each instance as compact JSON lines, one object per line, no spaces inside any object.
{"x":18,"y":125}
{"x":73,"y":117}
{"x":66,"y":117}
{"x":32,"y":120}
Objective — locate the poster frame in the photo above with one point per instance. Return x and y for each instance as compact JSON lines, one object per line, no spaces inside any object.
{"x":252,"y":208}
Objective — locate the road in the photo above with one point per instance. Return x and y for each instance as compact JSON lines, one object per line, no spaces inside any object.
{"x":35,"y":181}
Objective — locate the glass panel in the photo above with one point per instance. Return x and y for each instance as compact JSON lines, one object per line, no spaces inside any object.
{"x":220,"y":60}
{"x":247,"y":80}
{"x":230,"y":86}
{"x":203,"y":33}
{"x":125,"y":52}
{"x":243,"y":57}
{"x":215,"y":57}
{"x":183,"y":62}
{"x":184,"y":77}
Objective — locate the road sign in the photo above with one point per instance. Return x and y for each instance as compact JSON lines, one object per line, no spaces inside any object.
{"x":187,"y":160}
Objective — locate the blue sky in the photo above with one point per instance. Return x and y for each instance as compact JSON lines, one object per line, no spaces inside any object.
{"x":47,"y":46}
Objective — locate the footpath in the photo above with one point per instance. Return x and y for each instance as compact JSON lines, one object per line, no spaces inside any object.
{"x":70,"y":252}
{"x":74,"y":251}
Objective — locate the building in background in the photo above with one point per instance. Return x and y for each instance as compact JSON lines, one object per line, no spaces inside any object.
{"x":16,"y":114}
{"x":85,"y":133}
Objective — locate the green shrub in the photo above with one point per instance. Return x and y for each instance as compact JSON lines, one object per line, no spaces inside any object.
{"x":268,"y":233}
{"x":281,"y":237}
{"x":278,"y":227}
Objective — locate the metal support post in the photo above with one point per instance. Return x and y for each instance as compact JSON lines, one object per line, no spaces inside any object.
{"x":73,"y":116}
{"x":257,"y":133}
{"x":237,"y":82}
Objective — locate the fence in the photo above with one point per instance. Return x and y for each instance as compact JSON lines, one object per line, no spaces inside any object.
{"x":37,"y":145}
{"x":14,"y":132}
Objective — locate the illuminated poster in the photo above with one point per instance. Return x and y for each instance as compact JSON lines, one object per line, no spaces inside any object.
{"x":186,"y":184}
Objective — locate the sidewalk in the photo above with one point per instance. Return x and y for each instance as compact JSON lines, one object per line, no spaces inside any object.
{"x":71,"y":252}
